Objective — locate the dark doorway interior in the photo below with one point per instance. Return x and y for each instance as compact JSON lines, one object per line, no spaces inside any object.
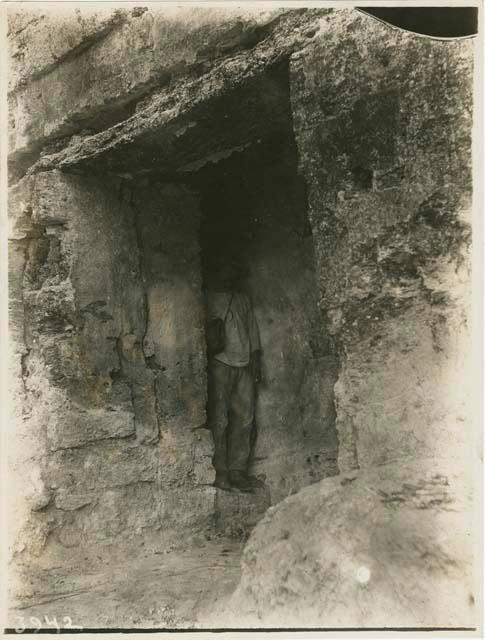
{"x":253,"y":207}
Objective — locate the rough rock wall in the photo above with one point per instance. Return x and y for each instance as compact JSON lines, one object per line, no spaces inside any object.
{"x":382,"y":126}
{"x":66,"y":84}
{"x":177,"y":124}
{"x":93,"y":432}
{"x":78,"y":416}
{"x":297,"y":442}
{"x":383,"y":132}
{"x":65,"y":73}
{"x":167,"y":220}
{"x":383,"y":122}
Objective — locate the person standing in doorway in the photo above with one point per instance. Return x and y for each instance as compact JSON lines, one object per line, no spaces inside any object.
{"x":234,"y":371}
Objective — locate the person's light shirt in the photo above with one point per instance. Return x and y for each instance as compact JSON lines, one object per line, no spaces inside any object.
{"x":241,"y":329}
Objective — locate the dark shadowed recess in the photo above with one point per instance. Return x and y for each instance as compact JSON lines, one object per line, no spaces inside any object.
{"x":439,"y":22}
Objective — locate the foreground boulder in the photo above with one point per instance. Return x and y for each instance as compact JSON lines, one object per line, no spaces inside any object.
{"x":370,"y":550}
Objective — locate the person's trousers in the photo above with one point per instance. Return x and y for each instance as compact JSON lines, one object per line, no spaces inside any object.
{"x":231,"y":414}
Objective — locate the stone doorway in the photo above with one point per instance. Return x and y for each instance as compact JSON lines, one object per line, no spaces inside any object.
{"x":253,"y":207}
{"x":123,"y":462}
{"x":125,"y":134}
{"x":119,"y":361}
{"x":244,"y":195}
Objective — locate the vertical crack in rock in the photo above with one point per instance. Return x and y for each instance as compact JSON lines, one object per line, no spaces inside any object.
{"x":151,"y":368}
{"x":26,"y":348}
{"x":118,"y":373}
{"x":141,"y":265}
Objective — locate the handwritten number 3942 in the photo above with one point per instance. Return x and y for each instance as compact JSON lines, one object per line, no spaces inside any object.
{"x":37,"y":624}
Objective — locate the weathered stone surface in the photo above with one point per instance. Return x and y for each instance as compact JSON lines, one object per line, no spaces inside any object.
{"x":86,"y":405}
{"x":41,"y":40}
{"x":390,"y":544}
{"x":71,"y":502}
{"x":392,"y":258}
{"x":76,"y":428}
{"x":104,"y":465}
{"x":133,"y":365}
{"x":388,"y":547}
{"x":204,"y":472}
{"x":18,"y":20}
{"x":158,"y":41}
{"x":188,"y":511}
{"x":173,"y":342}
{"x":69,"y":62}
{"x":291,"y":427}
{"x":162,"y":125}
{"x":238,"y":513}
{"x":106,"y":517}
{"x":107,"y":315}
